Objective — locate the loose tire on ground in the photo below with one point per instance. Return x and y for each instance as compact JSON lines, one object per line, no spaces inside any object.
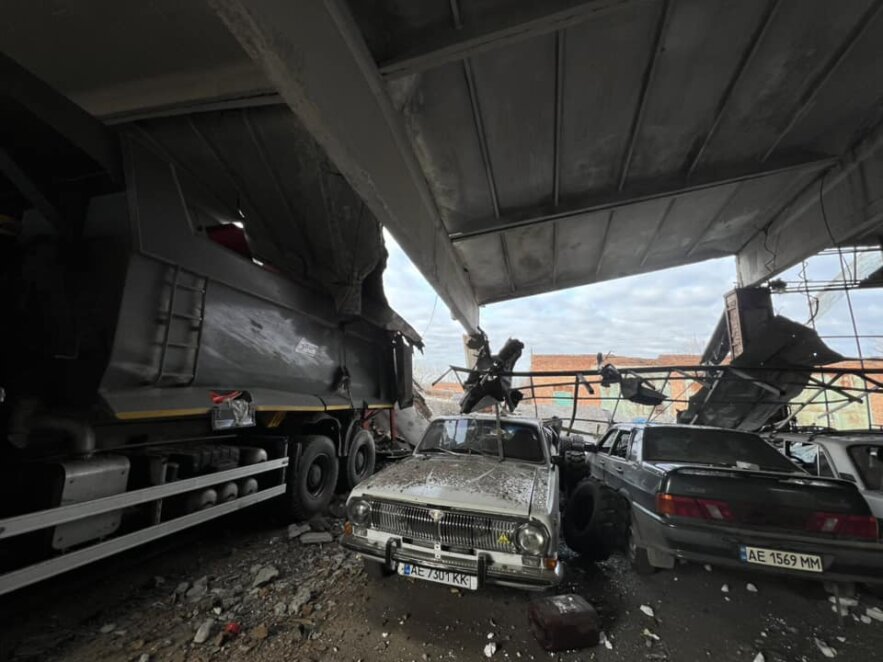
{"x":311,"y":482}
{"x":360,"y":459}
{"x":594,"y":522}
{"x":375,"y":569}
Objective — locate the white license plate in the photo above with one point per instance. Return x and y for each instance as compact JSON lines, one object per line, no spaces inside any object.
{"x":458,"y":579}
{"x":779,"y":559}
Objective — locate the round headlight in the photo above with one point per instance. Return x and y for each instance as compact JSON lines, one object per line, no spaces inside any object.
{"x":531,"y":539}
{"x":359,"y":511}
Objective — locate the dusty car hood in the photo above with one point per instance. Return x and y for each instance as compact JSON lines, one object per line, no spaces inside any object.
{"x":469,"y":483}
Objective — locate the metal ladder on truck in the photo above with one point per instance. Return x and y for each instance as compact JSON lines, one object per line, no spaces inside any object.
{"x":182,"y":332}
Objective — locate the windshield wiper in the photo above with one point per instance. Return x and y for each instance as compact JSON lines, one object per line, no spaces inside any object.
{"x":435,"y":449}
{"x":469,"y":450}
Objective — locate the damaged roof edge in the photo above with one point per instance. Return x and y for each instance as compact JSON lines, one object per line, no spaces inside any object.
{"x":301,"y":46}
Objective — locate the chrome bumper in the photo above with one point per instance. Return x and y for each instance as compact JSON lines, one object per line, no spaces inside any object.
{"x":482,"y":564}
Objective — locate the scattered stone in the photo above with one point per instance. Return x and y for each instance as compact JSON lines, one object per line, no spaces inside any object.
{"x":295,"y":530}
{"x":198,"y":591}
{"x":844,"y":610}
{"x":302,"y":597}
{"x":844,"y":601}
{"x":725,"y":588}
{"x":751,"y":588}
{"x":490,"y":650}
{"x":316,"y":538}
{"x":759,"y":658}
{"x":384,"y":634}
{"x":108,"y":628}
{"x":825,"y":649}
{"x":319,"y":523}
{"x":264,"y":576}
{"x":259,"y":632}
{"x":864,"y":618}
{"x":648,"y":610}
{"x":602,"y":638}
{"x":650,"y":635}
{"x":204,"y":631}
{"x":842,"y":640}
{"x":874,"y":612}
{"x":707,"y":567}
{"x":144,"y":657}
{"x":490,"y":635}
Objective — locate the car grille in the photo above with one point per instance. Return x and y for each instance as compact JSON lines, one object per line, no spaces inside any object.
{"x":465,"y":530}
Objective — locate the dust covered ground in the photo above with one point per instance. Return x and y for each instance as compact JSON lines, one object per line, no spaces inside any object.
{"x":295,"y":601}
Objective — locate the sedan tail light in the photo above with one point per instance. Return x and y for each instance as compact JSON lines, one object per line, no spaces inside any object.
{"x":862,"y":527}
{"x":673,"y":505}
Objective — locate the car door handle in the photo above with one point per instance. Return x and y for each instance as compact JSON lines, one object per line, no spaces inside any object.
{"x":618,"y":469}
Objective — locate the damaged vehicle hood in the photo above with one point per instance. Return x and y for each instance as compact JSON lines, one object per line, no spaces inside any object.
{"x":470,"y":483}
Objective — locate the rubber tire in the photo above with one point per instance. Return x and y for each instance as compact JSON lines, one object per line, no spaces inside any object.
{"x":593,"y":521}
{"x":362,"y":441}
{"x":638,"y":556}
{"x":300,"y":503}
{"x":376,"y":569}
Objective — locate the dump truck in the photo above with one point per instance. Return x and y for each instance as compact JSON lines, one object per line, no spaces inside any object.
{"x":193,"y":323}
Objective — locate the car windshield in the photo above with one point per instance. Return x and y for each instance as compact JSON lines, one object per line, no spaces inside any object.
{"x":868,"y":461}
{"x":470,"y":436}
{"x":719,"y":447}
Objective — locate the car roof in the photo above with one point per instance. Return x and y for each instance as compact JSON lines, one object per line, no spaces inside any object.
{"x":842,"y":438}
{"x":678,"y":426}
{"x":489,"y":417}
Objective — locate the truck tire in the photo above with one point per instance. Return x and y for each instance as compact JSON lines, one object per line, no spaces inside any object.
{"x":593,"y":521}
{"x":312,"y":480}
{"x":360,"y":459}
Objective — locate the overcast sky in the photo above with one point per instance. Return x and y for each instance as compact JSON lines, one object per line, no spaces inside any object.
{"x":670,"y":311}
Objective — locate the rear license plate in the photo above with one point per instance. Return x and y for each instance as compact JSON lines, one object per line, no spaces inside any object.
{"x":779,"y":559}
{"x":448,"y":577}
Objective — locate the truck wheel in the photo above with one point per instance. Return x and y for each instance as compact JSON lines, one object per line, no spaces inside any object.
{"x":637,"y":555}
{"x":593,"y":521}
{"x":311,"y":483}
{"x":360,"y":459}
{"x":375,"y":569}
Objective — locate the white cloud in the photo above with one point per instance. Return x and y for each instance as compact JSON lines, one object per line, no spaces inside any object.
{"x":674,"y":310}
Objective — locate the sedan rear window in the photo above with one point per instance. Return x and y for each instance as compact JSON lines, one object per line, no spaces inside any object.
{"x":868,"y":461}
{"x":718,"y":447}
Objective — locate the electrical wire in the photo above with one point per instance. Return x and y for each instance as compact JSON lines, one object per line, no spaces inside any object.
{"x":843,"y":270}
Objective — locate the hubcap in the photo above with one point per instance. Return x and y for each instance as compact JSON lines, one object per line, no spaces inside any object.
{"x":315,"y":476}
{"x":361,"y":460}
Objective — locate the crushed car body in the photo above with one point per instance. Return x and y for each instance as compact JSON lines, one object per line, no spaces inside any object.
{"x":476,"y":504}
{"x":724,"y":497}
{"x":853,"y":455}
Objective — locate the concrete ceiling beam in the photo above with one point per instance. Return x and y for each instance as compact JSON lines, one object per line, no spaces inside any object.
{"x":517,"y":22}
{"x":840,"y":206}
{"x":315,"y":56}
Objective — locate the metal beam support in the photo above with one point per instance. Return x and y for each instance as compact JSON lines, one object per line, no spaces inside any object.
{"x":746,"y":59}
{"x":712,"y":221}
{"x":646,"y":84}
{"x":855,"y":208}
{"x":478,"y":125}
{"x":511,"y":25}
{"x":603,"y":246}
{"x":55,"y":110}
{"x":614,"y":199}
{"x":315,"y":56}
{"x":559,"y":111}
{"x":658,"y":229}
{"x":809,"y":96}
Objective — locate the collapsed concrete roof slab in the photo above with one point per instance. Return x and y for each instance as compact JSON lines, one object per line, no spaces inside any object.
{"x":515,"y":147}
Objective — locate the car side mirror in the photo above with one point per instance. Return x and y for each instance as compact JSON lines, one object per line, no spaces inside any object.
{"x":590,"y":447}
